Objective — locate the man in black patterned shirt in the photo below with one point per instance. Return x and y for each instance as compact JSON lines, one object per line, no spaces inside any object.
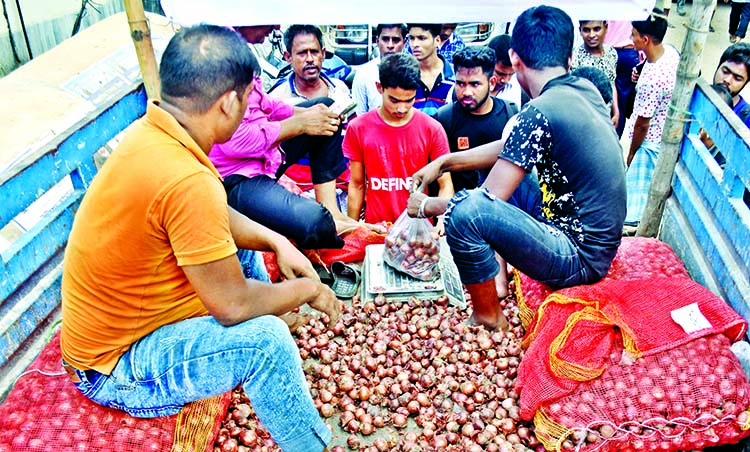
{"x":560,"y":225}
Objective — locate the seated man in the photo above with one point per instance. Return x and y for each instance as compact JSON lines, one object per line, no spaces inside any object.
{"x":391,"y":39}
{"x":562,"y":229}
{"x":271,"y":137}
{"x":475,"y":117}
{"x":156,"y":311}
{"x":305,"y":52}
{"x":387,"y":145}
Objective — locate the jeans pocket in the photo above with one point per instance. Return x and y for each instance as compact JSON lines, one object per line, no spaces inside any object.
{"x":457,"y":198}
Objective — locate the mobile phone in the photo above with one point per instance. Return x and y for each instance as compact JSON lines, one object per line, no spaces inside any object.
{"x":343,"y":107}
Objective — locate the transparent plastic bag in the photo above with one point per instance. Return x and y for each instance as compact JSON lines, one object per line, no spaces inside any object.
{"x":413,"y":247}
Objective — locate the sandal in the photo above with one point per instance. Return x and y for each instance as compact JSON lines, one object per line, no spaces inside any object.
{"x":346,"y":279}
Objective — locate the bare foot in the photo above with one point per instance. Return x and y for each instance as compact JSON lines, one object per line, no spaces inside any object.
{"x":344,"y":224}
{"x":295,"y":320}
{"x":500,"y":324}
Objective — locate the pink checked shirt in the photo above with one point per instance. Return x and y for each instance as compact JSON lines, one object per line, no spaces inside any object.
{"x":250,"y":151}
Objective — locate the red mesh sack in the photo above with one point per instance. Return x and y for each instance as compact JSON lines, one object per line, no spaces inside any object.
{"x":354,"y":246}
{"x":686,"y":398}
{"x":636,"y":258}
{"x":44,"y":411}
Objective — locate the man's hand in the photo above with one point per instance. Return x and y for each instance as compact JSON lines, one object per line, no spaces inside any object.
{"x":635,"y":75}
{"x":425,"y":176}
{"x":327,"y":303}
{"x":319,"y":120}
{"x":415,"y":200}
{"x":292,"y":263}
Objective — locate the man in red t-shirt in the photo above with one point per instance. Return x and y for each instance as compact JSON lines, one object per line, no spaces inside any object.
{"x":387,"y":145}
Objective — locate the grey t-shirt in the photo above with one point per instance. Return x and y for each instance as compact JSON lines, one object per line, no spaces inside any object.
{"x":567,"y":135}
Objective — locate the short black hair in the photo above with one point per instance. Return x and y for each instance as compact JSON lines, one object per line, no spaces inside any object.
{"x":433,"y":29}
{"x":724,"y":93}
{"x":581,"y":22}
{"x":203,"y":62}
{"x":543,"y":37}
{"x":295,"y":30}
{"x":380,"y":27}
{"x":471,"y":57}
{"x":738,"y":53}
{"x":501,"y":44}
{"x":596,"y":76}
{"x":654,"y":26}
{"x":399,"y":70}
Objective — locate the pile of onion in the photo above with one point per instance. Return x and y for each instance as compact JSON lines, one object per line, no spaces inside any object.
{"x":408,"y":376}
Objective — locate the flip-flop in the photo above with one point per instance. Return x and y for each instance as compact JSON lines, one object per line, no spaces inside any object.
{"x":325,"y":276}
{"x":346,"y":279}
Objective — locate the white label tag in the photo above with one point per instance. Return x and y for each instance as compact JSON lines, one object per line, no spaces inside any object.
{"x":690,"y":318}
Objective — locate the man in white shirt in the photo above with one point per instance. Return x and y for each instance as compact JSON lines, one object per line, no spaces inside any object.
{"x":391,"y":39}
{"x":305,"y":53}
{"x":507,"y":86}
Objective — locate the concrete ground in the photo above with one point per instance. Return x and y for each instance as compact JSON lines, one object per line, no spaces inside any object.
{"x":716,"y":42}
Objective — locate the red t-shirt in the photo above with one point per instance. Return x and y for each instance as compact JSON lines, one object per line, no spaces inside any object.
{"x":390,"y":155}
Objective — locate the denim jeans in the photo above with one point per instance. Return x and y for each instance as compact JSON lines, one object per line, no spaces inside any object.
{"x":739,"y":17}
{"x":478,"y":224}
{"x":199,"y":358}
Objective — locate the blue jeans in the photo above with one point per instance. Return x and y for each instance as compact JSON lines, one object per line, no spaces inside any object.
{"x":198,"y":358}
{"x":739,"y":17}
{"x":477,"y":224}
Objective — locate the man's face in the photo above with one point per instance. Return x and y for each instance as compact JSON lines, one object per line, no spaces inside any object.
{"x":447,"y":31}
{"x":472,"y":88}
{"x":731,"y":75}
{"x":397,"y":102}
{"x":390,"y":41}
{"x":306,"y":57}
{"x":503,"y":74}
{"x":423,"y":44}
{"x":256,"y":34}
{"x":593,"y":32}
{"x":639,"y":41}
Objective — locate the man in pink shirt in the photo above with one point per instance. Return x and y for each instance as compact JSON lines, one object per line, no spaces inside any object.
{"x":272,"y":136}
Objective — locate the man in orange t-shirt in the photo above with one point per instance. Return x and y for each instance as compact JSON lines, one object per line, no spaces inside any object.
{"x":157,"y":312}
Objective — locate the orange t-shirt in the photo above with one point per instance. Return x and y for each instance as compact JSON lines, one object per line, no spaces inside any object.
{"x":156,"y":205}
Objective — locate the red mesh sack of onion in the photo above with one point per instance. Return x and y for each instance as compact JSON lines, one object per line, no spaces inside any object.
{"x":690,"y":397}
{"x":636,"y":258}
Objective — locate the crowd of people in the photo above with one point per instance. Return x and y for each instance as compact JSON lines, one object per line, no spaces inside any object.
{"x":515,"y":157}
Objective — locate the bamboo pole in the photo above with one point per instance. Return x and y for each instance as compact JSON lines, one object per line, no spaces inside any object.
{"x":141,"y":35}
{"x":688,"y":72}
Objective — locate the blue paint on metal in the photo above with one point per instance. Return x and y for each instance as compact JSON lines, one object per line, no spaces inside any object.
{"x":710,"y":199}
{"x":41,"y":243}
{"x":28,"y":321}
{"x":73,"y":153}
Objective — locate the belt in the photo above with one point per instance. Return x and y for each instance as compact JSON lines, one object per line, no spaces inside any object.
{"x":72,"y":372}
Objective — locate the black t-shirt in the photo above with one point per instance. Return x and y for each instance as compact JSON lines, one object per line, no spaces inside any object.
{"x":466,"y":131}
{"x":566,"y":134}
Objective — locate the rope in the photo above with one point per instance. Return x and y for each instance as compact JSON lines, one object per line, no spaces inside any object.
{"x":195,"y":424}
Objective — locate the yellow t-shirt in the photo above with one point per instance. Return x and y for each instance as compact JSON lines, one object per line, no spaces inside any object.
{"x":156,"y":205}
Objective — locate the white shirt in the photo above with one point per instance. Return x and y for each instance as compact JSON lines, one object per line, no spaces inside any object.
{"x":287,"y":91}
{"x":364,"y":91}
{"x":511,"y":92}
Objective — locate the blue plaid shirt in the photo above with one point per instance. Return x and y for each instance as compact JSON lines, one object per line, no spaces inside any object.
{"x":430,"y":100}
{"x":451,"y":46}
